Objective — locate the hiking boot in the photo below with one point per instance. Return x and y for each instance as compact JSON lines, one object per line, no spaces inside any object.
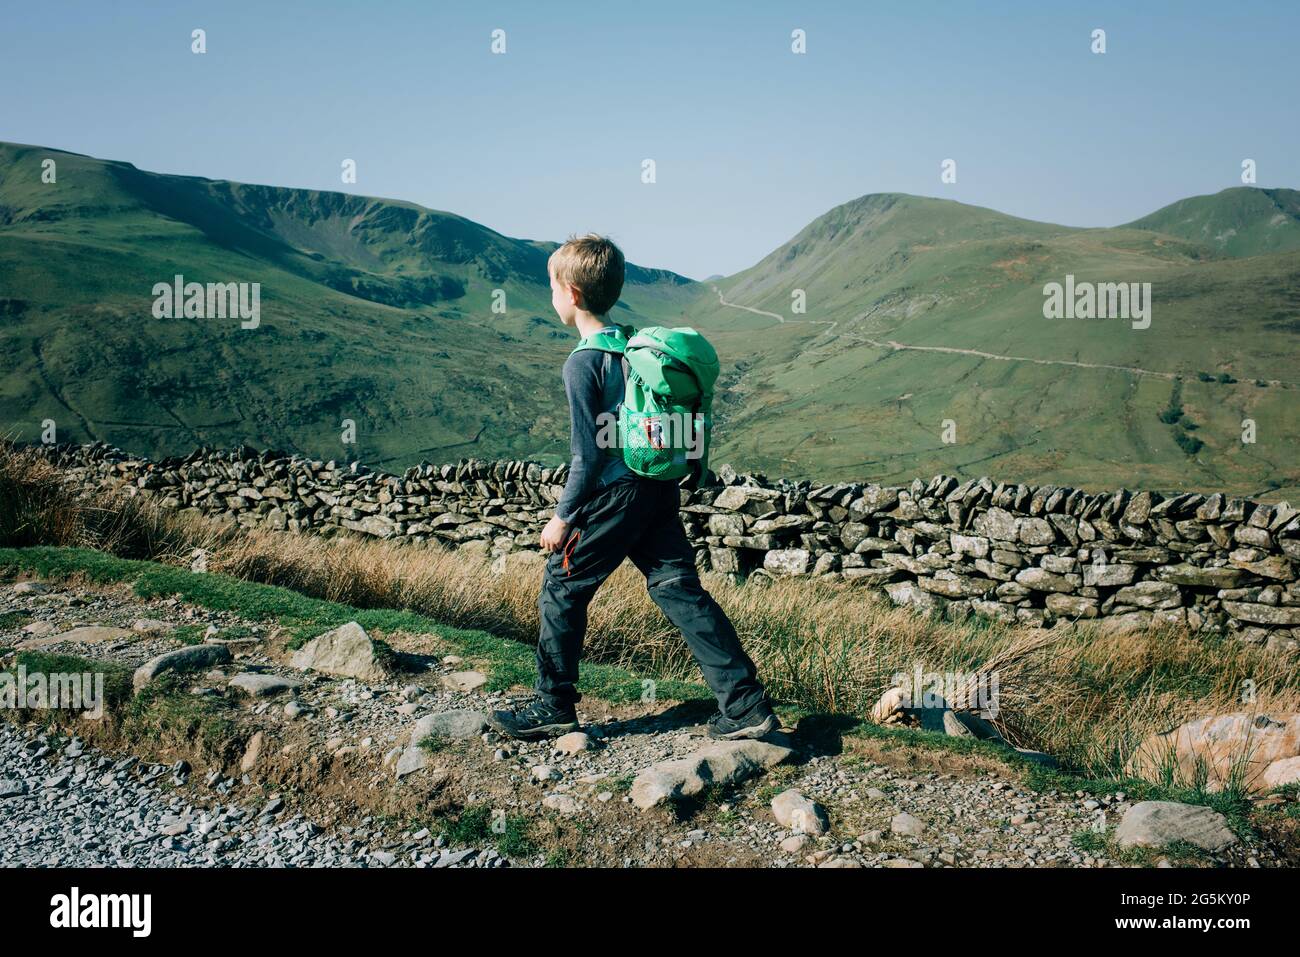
{"x":534,"y":720}
{"x":758,"y":721}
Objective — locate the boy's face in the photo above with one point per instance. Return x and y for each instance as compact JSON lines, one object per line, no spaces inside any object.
{"x":565,"y":300}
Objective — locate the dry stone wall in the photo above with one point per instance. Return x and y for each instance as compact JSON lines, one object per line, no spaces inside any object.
{"x":1030,"y":554}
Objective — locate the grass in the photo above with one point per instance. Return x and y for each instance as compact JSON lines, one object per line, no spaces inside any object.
{"x":1290,"y":793}
{"x":13,"y":619}
{"x":163,"y":714}
{"x":477,"y":824}
{"x":167,"y":715}
{"x":117,"y":679}
{"x":434,"y":743}
{"x":1178,"y":853}
{"x":618,"y":784}
{"x":188,"y":634}
{"x":1089,"y":841}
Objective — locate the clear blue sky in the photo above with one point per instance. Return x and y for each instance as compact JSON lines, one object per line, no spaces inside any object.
{"x":751,"y":140}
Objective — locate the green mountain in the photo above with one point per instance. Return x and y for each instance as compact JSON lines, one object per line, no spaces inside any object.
{"x":374,"y":311}
{"x":894,"y":336}
{"x":924,"y":348}
{"x":1242,"y":221}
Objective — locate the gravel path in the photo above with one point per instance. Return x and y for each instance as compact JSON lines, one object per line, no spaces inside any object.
{"x":65,"y":805}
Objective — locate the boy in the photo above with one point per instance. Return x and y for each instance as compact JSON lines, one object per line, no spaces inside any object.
{"x":608,"y":513}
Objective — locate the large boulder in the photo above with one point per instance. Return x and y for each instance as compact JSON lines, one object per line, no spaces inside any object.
{"x":191,"y":658}
{"x":1158,"y":823}
{"x":1220,"y":748}
{"x":345,"y":652}
{"x":723,"y":762}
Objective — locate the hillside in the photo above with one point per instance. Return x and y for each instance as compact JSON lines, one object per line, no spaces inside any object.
{"x":1239,"y":222}
{"x":924,"y":311}
{"x":372,"y":310}
{"x":919,"y":312}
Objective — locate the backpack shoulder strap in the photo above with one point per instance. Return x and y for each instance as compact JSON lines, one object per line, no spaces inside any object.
{"x":607,"y":341}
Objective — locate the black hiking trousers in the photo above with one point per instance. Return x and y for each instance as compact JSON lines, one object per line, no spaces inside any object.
{"x":636,"y":518}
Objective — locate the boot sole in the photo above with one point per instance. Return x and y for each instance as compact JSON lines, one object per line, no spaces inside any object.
{"x":532,"y":734}
{"x":767,"y":726}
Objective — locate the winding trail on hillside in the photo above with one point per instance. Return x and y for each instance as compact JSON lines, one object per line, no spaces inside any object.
{"x":891,"y":344}
{"x":773,"y":315}
{"x":901,"y":346}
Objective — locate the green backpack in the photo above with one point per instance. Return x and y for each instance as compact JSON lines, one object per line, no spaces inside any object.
{"x":665,"y":419}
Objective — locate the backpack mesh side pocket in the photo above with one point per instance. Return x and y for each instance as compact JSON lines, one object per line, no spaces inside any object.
{"x":646,"y":448}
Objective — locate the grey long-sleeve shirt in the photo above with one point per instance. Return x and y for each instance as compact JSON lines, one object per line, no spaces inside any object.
{"x":593,"y":382}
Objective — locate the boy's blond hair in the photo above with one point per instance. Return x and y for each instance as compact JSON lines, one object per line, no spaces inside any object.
{"x":593,"y":264}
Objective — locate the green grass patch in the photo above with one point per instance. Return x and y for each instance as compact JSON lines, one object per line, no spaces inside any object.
{"x":1089,"y":841}
{"x":166,"y":714}
{"x":1177,"y":852}
{"x":433,"y":743}
{"x":117,"y":679}
{"x":894,"y":737}
{"x":618,"y":783}
{"x":478,"y":824}
{"x":189,"y":634}
{"x":13,"y":619}
{"x":557,"y":857}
